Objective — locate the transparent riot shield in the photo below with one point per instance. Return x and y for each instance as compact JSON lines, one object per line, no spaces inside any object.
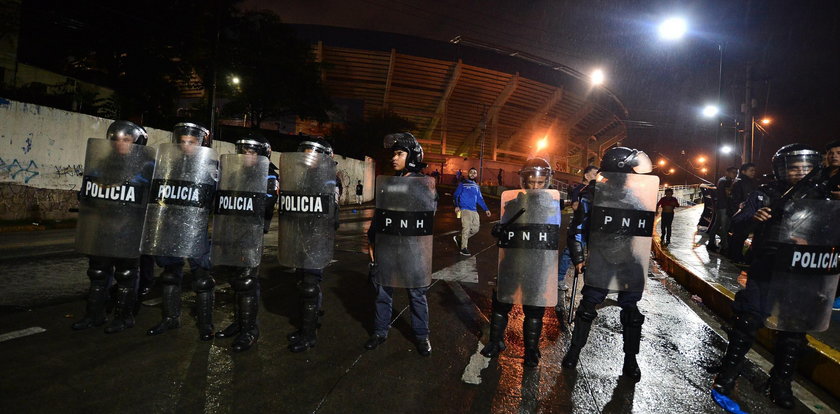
{"x":404,"y":223}
{"x":805,"y":269}
{"x":528,"y":255}
{"x":307,"y":210}
{"x":620,"y":231}
{"x":181,"y":198}
{"x":239,"y":211}
{"x":112,"y":200}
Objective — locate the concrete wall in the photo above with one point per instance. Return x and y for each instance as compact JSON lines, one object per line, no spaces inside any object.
{"x":42,"y":157}
{"x":43,"y":149}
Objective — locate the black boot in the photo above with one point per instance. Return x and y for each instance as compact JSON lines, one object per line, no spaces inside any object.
{"x":233,"y":329}
{"x":788,"y":347}
{"x":249,"y":332}
{"x":310,"y":293}
{"x":204,"y":285}
{"x":496,"y":343}
{"x":584,"y":316}
{"x":123,"y":310}
{"x":741,"y":338}
{"x":531,"y":331}
{"x":631,"y":323}
{"x":171,"y":310}
{"x":96,"y":300}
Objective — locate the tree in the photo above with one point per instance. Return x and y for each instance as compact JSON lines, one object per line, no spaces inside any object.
{"x":276,"y":73}
{"x":364,"y":137}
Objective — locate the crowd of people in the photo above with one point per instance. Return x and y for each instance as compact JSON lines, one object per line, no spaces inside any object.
{"x":157,"y":204}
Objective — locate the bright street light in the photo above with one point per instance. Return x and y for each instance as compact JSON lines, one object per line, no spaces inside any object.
{"x":673,"y":28}
{"x":766,"y":121}
{"x":726,"y":149}
{"x":671,"y":171}
{"x":597,"y":77}
{"x":701,"y":159}
{"x":704,"y":170}
{"x":542,"y":143}
{"x":662,"y":162}
{"x":710,"y":111}
{"x":234,"y":80}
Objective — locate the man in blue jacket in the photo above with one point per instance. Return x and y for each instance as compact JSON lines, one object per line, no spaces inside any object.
{"x":466,"y":196}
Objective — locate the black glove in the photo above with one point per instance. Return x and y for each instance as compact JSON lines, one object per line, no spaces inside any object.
{"x":497,"y":231}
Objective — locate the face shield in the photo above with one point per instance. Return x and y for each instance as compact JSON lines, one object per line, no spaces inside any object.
{"x":794,"y":166}
{"x":186,"y":129}
{"x":312,"y":146}
{"x":643,"y":164}
{"x":535,"y":178}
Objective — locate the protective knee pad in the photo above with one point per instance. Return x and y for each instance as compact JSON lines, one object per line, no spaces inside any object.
{"x":170,"y":278}
{"x":244,"y":284}
{"x":632,"y":317}
{"x":309,"y":289}
{"x":204,"y":284}
{"x":533,"y":311}
{"x":586,"y":312}
{"x":125,"y":275}
{"x":97,"y":274}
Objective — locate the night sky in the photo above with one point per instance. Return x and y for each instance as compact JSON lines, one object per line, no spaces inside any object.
{"x":792,"y":47}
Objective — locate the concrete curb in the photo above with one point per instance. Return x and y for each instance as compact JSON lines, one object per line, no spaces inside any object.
{"x":820,"y":362}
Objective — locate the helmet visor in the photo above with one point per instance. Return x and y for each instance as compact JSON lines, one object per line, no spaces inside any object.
{"x":643,"y":163}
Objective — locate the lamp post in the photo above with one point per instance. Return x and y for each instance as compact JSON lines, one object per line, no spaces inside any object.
{"x":674,"y":28}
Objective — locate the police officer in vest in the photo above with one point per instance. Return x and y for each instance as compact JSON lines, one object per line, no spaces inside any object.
{"x":400,"y":240}
{"x":527,"y":270}
{"x":112,"y":200}
{"x":308,"y":174}
{"x":177,"y":222}
{"x":242,"y":258}
{"x":790,"y":213}
{"x":613,"y":265}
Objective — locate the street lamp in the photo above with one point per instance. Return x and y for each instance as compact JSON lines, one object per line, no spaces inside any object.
{"x":662,"y":163}
{"x":726,"y":149}
{"x":234,"y":80}
{"x":701,"y":159}
{"x":711,"y":111}
{"x":541,"y":144}
{"x":597,"y":77}
{"x":674,"y":28}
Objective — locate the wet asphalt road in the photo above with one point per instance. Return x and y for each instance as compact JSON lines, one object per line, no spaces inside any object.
{"x":62,"y":370}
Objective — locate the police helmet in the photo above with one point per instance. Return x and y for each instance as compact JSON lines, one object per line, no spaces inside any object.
{"x":193,"y":130}
{"x":535,"y":167}
{"x":404,"y":141}
{"x":253,"y":141}
{"x":119,"y":129}
{"x":316,"y":144}
{"x":626,"y":160}
{"x":794,"y":161}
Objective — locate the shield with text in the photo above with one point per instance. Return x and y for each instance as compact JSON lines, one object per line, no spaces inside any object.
{"x":180,"y":201}
{"x":620,"y":231}
{"x":805,"y":269}
{"x":307,"y":210}
{"x":112,"y":200}
{"x":528,"y":255}
{"x":404,"y":223}
{"x":239,"y":210}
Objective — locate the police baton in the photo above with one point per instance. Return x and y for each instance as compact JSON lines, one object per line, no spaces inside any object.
{"x":572,"y":300}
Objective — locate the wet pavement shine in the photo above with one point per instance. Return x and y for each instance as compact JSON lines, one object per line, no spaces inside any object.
{"x":56,"y":369}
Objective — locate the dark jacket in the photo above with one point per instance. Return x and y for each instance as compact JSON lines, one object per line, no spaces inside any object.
{"x":741,"y":188}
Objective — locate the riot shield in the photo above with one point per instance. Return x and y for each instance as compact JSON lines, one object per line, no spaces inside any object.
{"x":306,"y":212}
{"x":805,"y":269}
{"x":620,"y":231}
{"x":528,"y":252}
{"x":180,"y":201}
{"x":403,"y":223}
{"x":112,"y":200}
{"x":239,"y":211}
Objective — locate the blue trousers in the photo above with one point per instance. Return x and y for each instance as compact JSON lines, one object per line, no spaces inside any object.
{"x":596,"y":295}
{"x":417,"y":303}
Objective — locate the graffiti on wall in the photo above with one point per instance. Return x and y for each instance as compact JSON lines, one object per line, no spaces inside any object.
{"x":16,"y":171}
{"x":70,"y":170}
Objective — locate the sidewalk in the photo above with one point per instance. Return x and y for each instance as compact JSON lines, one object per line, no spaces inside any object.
{"x":715,"y":280}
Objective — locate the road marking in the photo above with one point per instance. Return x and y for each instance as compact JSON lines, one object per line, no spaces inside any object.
{"x":217,"y":396}
{"x":21,"y":333}
{"x":472,"y":373}
{"x":463,"y":271}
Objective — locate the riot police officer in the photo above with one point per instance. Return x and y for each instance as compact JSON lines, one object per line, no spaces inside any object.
{"x":528,"y":233}
{"x":614,"y":263}
{"x":177,"y":219}
{"x":112,"y":203}
{"x":307,"y":234}
{"x":789,"y":213}
{"x":400,"y":240}
{"x":237,"y":250}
